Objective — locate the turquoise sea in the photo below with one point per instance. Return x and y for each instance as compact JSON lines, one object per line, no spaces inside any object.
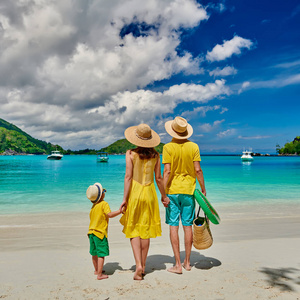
{"x":33,"y":184}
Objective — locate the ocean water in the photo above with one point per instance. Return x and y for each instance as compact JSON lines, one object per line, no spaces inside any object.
{"x":33,"y":184}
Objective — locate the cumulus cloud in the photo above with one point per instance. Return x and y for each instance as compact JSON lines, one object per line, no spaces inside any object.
{"x":226,"y":71}
{"x":76,"y":72}
{"x":229,"y":48}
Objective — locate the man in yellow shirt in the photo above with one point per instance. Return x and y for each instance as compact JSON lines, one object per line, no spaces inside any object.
{"x":181,"y":159}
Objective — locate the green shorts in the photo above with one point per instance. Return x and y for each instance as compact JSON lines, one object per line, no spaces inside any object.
{"x":98,"y":247}
{"x":180,"y":206}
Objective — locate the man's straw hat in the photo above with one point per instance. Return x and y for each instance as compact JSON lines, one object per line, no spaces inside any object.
{"x":142,"y":136}
{"x":179,"y":128}
{"x":94,"y":192}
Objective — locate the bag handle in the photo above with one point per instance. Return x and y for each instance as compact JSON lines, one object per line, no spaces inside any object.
{"x":205,"y":216}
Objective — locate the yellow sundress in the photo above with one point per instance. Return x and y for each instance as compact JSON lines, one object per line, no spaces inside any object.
{"x":142,"y":218}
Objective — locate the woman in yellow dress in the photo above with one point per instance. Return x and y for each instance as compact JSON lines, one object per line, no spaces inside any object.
{"x":141,"y":219}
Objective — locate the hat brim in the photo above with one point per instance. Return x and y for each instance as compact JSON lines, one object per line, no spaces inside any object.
{"x":130,"y":135}
{"x":174,"y":134}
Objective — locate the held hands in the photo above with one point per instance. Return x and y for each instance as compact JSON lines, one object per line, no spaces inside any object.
{"x":165,"y":201}
{"x":204,"y":192}
{"x":123,"y":207}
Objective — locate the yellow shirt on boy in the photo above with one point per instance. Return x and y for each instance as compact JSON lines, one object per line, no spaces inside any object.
{"x":181,"y":154}
{"x":99,"y":220}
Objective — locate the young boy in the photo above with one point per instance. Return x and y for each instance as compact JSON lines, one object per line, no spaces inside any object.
{"x":99,"y":214}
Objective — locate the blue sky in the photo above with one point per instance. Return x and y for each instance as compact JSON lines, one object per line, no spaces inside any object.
{"x":79,"y":73}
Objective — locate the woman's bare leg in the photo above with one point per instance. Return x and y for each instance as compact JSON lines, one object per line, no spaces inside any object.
{"x":137,"y":252}
{"x":145,"y":248}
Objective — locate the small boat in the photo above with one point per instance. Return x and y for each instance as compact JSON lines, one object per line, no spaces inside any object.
{"x":102,"y":157}
{"x":55,"y":155}
{"x":247,"y":156}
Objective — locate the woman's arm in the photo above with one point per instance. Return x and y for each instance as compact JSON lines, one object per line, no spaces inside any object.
{"x":160,"y":183}
{"x":127,"y":179}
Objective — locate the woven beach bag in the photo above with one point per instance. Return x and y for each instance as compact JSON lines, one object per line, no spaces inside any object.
{"x":202,"y":237}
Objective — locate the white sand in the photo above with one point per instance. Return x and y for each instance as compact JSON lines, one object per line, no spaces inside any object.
{"x":255,"y":255}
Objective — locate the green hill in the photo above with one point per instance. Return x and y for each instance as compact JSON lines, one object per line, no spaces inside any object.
{"x":121,"y":146}
{"x":14,"y":140}
{"x":17,"y":141}
{"x":290,"y":148}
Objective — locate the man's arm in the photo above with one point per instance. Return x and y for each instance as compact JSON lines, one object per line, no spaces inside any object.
{"x":166,"y":174}
{"x":199,"y":175}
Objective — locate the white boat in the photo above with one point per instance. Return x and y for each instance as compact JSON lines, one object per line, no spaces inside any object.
{"x":102,"y":157}
{"x":247,"y":156}
{"x":55,"y":155}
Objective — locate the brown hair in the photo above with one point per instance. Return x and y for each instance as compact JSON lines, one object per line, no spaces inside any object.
{"x":145,"y":153}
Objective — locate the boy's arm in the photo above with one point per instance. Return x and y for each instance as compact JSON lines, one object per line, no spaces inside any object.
{"x":113,"y":214}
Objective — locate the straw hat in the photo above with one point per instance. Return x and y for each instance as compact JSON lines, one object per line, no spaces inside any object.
{"x":94,"y":192}
{"x":142,"y":136}
{"x":179,"y":128}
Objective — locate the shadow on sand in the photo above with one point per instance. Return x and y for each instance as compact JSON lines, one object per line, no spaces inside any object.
{"x":111,"y":267}
{"x":158,"y":262}
{"x":282,"y":278}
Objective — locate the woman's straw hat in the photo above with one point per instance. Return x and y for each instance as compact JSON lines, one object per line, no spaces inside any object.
{"x":179,"y":128}
{"x":142,"y":136}
{"x":94,"y":192}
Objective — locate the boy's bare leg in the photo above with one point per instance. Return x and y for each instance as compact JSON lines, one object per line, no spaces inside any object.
{"x":145,"y":248}
{"x":188,"y":241}
{"x":100,"y":267}
{"x":137,"y":252}
{"x":95,"y":263}
{"x":174,"y":238}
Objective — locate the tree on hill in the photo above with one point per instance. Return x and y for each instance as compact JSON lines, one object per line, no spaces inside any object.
{"x":290,"y":148}
{"x":121,"y":146}
{"x":15,"y":139}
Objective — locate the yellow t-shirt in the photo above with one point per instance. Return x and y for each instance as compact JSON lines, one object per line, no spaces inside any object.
{"x":181,"y":154}
{"x":99,"y":220}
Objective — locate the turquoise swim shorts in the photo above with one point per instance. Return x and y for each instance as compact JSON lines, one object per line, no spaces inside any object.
{"x":98,"y":247}
{"x":180,"y":206}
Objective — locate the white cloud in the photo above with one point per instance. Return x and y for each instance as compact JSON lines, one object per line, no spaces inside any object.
{"x":70,"y":73}
{"x":210,"y":127}
{"x":202,"y":110}
{"x":244,"y":86}
{"x":226,"y":133}
{"x":229,"y":48}
{"x":256,"y":137}
{"x":226,"y":71}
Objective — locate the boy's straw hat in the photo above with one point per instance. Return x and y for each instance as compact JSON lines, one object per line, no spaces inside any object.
{"x":94,"y":192}
{"x":142,"y":136}
{"x":179,"y":128}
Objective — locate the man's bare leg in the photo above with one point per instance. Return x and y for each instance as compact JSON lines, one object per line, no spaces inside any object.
{"x":174,"y":238}
{"x":137,"y":252}
{"x":145,"y":248}
{"x":188,"y":242}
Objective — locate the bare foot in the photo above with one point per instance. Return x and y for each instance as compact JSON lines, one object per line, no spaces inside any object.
{"x":187,"y":267}
{"x":138,"y":275}
{"x":102,"y":276}
{"x":175,"y":269}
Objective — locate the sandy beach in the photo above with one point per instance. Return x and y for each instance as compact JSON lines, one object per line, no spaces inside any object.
{"x":255,"y":255}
